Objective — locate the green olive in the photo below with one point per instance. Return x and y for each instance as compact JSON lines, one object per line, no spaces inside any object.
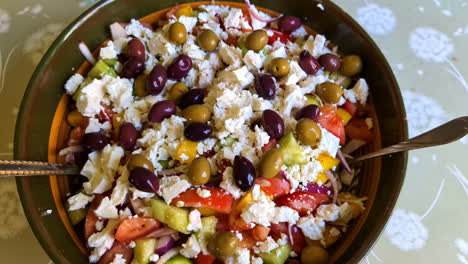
{"x":314,"y":255}
{"x":176,"y":92}
{"x":139,"y":86}
{"x":199,"y":171}
{"x":279,"y":67}
{"x":177,"y":33}
{"x":351,"y":65}
{"x":271,"y":163}
{"x":139,"y":160}
{"x":256,"y":40}
{"x":207,"y":40}
{"x":308,"y":132}
{"x":223,"y":245}
{"x":184,"y":11}
{"x":329,"y":92}
{"x":196,"y":113}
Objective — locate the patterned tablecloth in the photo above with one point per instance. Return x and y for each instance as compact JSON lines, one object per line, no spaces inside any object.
{"x":425,"y":42}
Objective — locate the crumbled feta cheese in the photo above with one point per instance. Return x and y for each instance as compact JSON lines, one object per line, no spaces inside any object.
{"x":369,"y":122}
{"x":102,"y":241}
{"x":135,"y":28}
{"x":120,"y":44}
{"x":193,"y":50}
{"x":72,"y":84}
{"x":228,"y":183}
{"x":118,"y":259}
{"x":191,"y":248}
{"x":256,"y":260}
{"x":206,"y":145}
{"x":300,"y":32}
{"x":108,"y":52}
{"x":329,"y":143}
{"x":312,"y":227}
{"x":161,"y":46}
{"x":125,"y":213}
{"x":191,"y":79}
{"x":315,"y":45}
{"x":346,"y":213}
{"x":79,"y":201}
{"x":180,"y":204}
{"x":328,"y":212}
{"x":295,"y":74}
{"x":359,"y":93}
{"x":132,"y":244}
{"x":189,"y":22}
{"x":240,"y":76}
{"x":265,"y":246}
{"x":279,"y":52}
{"x":120,"y":191}
{"x":253,"y":60}
{"x":257,"y":24}
{"x":154,"y":258}
{"x":136,"y":194}
{"x":171,"y":187}
{"x":204,"y":193}
{"x":302,"y":174}
{"x":100,"y":168}
{"x":235,"y":19}
{"x":195,"y":223}
{"x":99,"y":225}
{"x":120,"y":93}
{"x":106,"y":209}
{"x":242,"y":256}
{"x":95,"y":126}
{"x":230,"y":55}
{"x":309,"y":84}
{"x":89,"y":98}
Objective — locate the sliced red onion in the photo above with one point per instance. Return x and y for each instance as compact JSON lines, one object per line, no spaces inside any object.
{"x":263,"y":182}
{"x":117,"y":31}
{"x":71,"y":150}
{"x":353,"y":145}
{"x":315,"y":188}
{"x":334,"y":182}
{"x":164,"y":244}
{"x":167,"y":256}
{"x":86,"y":52}
{"x":291,"y":238}
{"x":165,"y":231}
{"x":283,"y":175}
{"x":220,"y":21}
{"x":254,"y":14}
{"x":345,"y":164}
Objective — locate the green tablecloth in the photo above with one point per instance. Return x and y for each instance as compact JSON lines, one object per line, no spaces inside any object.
{"x":425,"y":42}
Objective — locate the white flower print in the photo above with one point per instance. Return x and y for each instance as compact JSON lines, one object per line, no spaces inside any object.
{"x":430,"y":44}
{"x":375,"y":19}
{"x":406,"y":231}
{"x":87,"y":3}
{"x":12,"y":220}
{"x":423,"y":112}
{"x":38,"y":43}
{"x":462,"y":246}
{"x":459,"y":176}
{"x":4,"y":21}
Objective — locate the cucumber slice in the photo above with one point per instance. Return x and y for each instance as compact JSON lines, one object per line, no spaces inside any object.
{"x":164,"y":163}
{"x":276,"y":256}
{"x":292,"y":152}
{"x":176,"y":218}
{"x":100,"y":69}
{"x":144,"y":249}
{"x":76,"y":216}
{"x":110,"y":62}
{"x":179,"y":259}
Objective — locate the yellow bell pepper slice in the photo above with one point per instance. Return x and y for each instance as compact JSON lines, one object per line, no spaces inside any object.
{"x":327,"y":162}
{"x":345,"y":115}
{"x":186,"y":151}
{"x":321,"y":178}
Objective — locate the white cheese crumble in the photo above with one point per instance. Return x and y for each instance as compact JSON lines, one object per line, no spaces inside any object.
{"x":102,"y":241}
{"x":95,"y":126}
{"x":359,"y":93}
{"x":253,"y":61}
{"x":106,"y":209}
{"x":118,"y":259}
{"x":73,"y":83}
{"x":230,"y":55}
{"x":329,"y":143}
{"x":108,"y":52}
{"x":154,"y":258}
{"x":295,"y":74}
{"x":79,"y":201}
{"x":195,"y":223}
{"x":170,"y":187}
{"x":265,"y":246}
{"x":191,"y":248}
{"x":204,"y":193}
{"x":328,"y":212}
{"x":228,"y":183}
{"x":99,"y":225}
{"x":312,"y":227}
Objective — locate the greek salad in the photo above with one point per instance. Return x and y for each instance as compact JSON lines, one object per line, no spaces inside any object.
{"x":218,"y":135}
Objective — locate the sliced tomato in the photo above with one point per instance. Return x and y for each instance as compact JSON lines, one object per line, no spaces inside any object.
{"x":205,"y":259}
{"x":329,"y":120}
{"x":136,"y":227}
{"x":280,"y":36}
{"x":278,"y":229}
{"x":296,"y":239}
{"x":235,"y":221}
{"x":246,"y":15}
{"x":350,"y":107}
{"x":232,"y":40}
{"x":358,"y":129}
{"x":171,"y":13}
{"x":91,"y":217}
{"x":302,"y":202}
{"x":248,"y":241}
{"x":118,"y":248}
{"x":273,"y":187}
{"x":271,"y":144}
{"x":219,"y":199}
{"x":260,"y":233}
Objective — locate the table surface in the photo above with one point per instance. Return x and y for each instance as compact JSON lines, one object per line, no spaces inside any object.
{"x":423,"y":41}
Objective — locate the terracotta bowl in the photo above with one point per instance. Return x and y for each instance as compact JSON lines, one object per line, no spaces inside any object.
{"x":42,"y":130}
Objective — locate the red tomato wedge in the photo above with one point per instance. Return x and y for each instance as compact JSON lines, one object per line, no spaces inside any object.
{"x":219,"y":200}
{"x":358,"y":129}
{"x":329,"y":120}
{"x":302,"y":202}
{"x":271,"y":144}
{"x":117,"y":248}
{"x":281,"y":37}
{"x":350,"y":107}
{"x":91,"y":217}
{"x":136,"y":227}
{"x":273,"y":187}
{"x":235,"y":221}
{"x":205,"y":259}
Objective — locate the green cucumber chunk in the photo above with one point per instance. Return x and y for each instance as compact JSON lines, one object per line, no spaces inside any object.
{"x":144,"y":249}
{"x":344,"y":81}
{"x":242,"y":46}
{"x":179,"y":259}
{"x":228,"y":141}
{"x":276,"y":256}
{"x":176,"y":218}
{"x":292,"y":152}
{"x":76,"y":216}
{"x":208,"y":228}
{"x":164,"y":164}
{"x":100,"y":69}
{"x":110,"y":62}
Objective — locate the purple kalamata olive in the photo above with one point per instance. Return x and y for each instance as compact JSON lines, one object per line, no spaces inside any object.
{"x":309,"y":65}
{"x":133,"y":67}
{"x":127,"y":136}
{"x":136,"y":49}
{"x":192,"y":97}
{"x":161,"y":110}
{"x":304,"y":54}
{"x":330,"y":62}
{"x":179,"y":68}
{"x":144,"y":180}
{"x":265,"y":85}
{"x":156,"y":80}
{"x":197,"y":131}
{"x":244,"y":173}
{"x":288,"y":24}
{"x":311,"y":111}
{"x":95,"y":141}
{"x":273,"y":124}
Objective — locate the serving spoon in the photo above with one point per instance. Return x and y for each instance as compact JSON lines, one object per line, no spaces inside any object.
{"x":441,"y":135}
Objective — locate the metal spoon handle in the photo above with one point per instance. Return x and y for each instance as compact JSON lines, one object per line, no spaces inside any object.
{"x":10,"y":168}
{"x":441,"y":135}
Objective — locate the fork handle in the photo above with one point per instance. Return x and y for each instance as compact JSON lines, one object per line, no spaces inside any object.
{"x":13,"y":168}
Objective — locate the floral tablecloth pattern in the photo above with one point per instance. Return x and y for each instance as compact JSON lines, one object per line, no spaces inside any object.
{"x":425,"y":42}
